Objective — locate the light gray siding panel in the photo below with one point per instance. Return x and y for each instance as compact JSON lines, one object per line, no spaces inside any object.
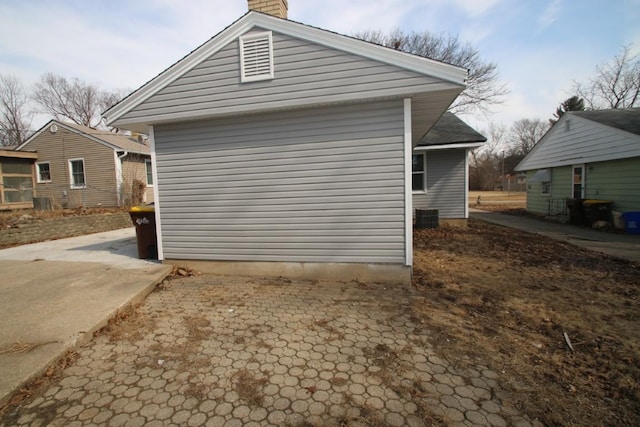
{"x":303,"y":71}
{"x":321,"y":185}
{"x":585,"y":142}
{"x":445,"y":184}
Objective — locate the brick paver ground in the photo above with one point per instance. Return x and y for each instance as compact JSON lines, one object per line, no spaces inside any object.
{"x":230,"y":352}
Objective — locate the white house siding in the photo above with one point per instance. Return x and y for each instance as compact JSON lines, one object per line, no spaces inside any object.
{"x":584,"y":142}
{"x":445,"y":184}
{"x":321,"y":185}
{"x":305,"y":74}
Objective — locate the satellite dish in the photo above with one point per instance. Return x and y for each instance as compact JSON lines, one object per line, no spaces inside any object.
{"x":53,"y":128}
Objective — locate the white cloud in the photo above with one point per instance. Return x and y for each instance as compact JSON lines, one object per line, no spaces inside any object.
{"x":348,"y":17}
{"x":475,"y":8}
{"x":550,"y":14}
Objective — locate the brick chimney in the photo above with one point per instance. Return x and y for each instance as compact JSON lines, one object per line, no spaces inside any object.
{"x":277,"y":8}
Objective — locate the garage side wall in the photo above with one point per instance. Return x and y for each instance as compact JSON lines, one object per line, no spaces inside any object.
{"x":446,"y":182}
{"x":317,"y":185}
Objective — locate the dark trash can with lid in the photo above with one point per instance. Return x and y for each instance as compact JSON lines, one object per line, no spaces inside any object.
{"x":576,"y":211}
{"x":144,"y":219}
{"x":597,"y":210}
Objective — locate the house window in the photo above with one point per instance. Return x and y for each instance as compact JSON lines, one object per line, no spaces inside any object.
{"x":16,"y":180}
{"x":546,"y":188}
{"x":418,"y":173}
{"x":76,"y":170}
{"x":44,"y":172}
{"x":256,"y":57}
{"x":147,"y":164}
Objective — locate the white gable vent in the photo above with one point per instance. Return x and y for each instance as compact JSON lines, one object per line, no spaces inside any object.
{"x":256,"y":57}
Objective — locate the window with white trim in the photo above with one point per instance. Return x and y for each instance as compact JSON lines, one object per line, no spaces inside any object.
{"x":147,"y":166}
{"x":546,"y":188}
{"x":44,"y":172}
{"x":256,"y":57}
{"x":76,"y":173}
{"x":418,"y":173}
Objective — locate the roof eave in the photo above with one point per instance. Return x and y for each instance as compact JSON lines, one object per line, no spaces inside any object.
{"x":465,"y":145}
{"x":77,"y":132}
{"x":446,"y":72}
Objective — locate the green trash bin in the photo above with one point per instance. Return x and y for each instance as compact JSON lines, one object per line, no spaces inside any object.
{"x":144,"y":219}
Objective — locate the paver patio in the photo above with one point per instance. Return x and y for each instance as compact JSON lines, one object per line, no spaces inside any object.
{"x":221,"y":351}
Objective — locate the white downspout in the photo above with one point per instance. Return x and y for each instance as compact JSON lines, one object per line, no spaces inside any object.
{"x":119,"y":177}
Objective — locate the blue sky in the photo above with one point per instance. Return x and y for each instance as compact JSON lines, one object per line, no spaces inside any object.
{"x":540,"y":46}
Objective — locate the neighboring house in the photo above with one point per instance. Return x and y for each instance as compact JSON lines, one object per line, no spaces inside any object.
{"x":16,"y":179}
{"x":79,"y":166}
{"x":284,"y":149}
{"x":441,"y":169}
{"x":586,"y":155}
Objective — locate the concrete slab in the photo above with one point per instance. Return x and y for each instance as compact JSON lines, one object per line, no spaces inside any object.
{"x":624,"y":246}
{"x":54,"y":295}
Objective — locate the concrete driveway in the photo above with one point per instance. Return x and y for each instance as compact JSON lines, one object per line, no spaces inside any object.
{"x":626,"y":246}
{"x":54,"y":295}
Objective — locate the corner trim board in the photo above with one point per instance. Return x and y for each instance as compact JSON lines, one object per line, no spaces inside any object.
{"x":408,"y":193}
{"x":156,"y":196}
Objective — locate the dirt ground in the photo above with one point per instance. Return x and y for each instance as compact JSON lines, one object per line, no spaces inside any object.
{"x":507,"y":298}
{"x":14,"y":218}
{"x":498,"y":200}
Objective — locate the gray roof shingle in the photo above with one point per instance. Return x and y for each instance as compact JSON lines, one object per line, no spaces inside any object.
{"x":627,"y":119}
{"x":449,"y":129}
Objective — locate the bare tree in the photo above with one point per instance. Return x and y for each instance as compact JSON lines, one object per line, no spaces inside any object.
{"x":484,"y":88}
{"x":73,"y":99}
{"x":484,"y":162}
{"x":15,"y":117}
{"x":616,"y":84}
{"x":524,"y":134}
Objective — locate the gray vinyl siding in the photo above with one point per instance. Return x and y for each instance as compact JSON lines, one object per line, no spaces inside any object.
{"x":585,"y":142}
{"x":99,"y":168}
{"x":318,"y":185}
{"x":446,"y":184}
{"x":305,"y":74}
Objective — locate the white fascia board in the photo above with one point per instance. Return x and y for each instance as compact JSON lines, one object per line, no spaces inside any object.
{"x":419,"y":64}
{"x":449,"y":73}
{"x":466,"y":145}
